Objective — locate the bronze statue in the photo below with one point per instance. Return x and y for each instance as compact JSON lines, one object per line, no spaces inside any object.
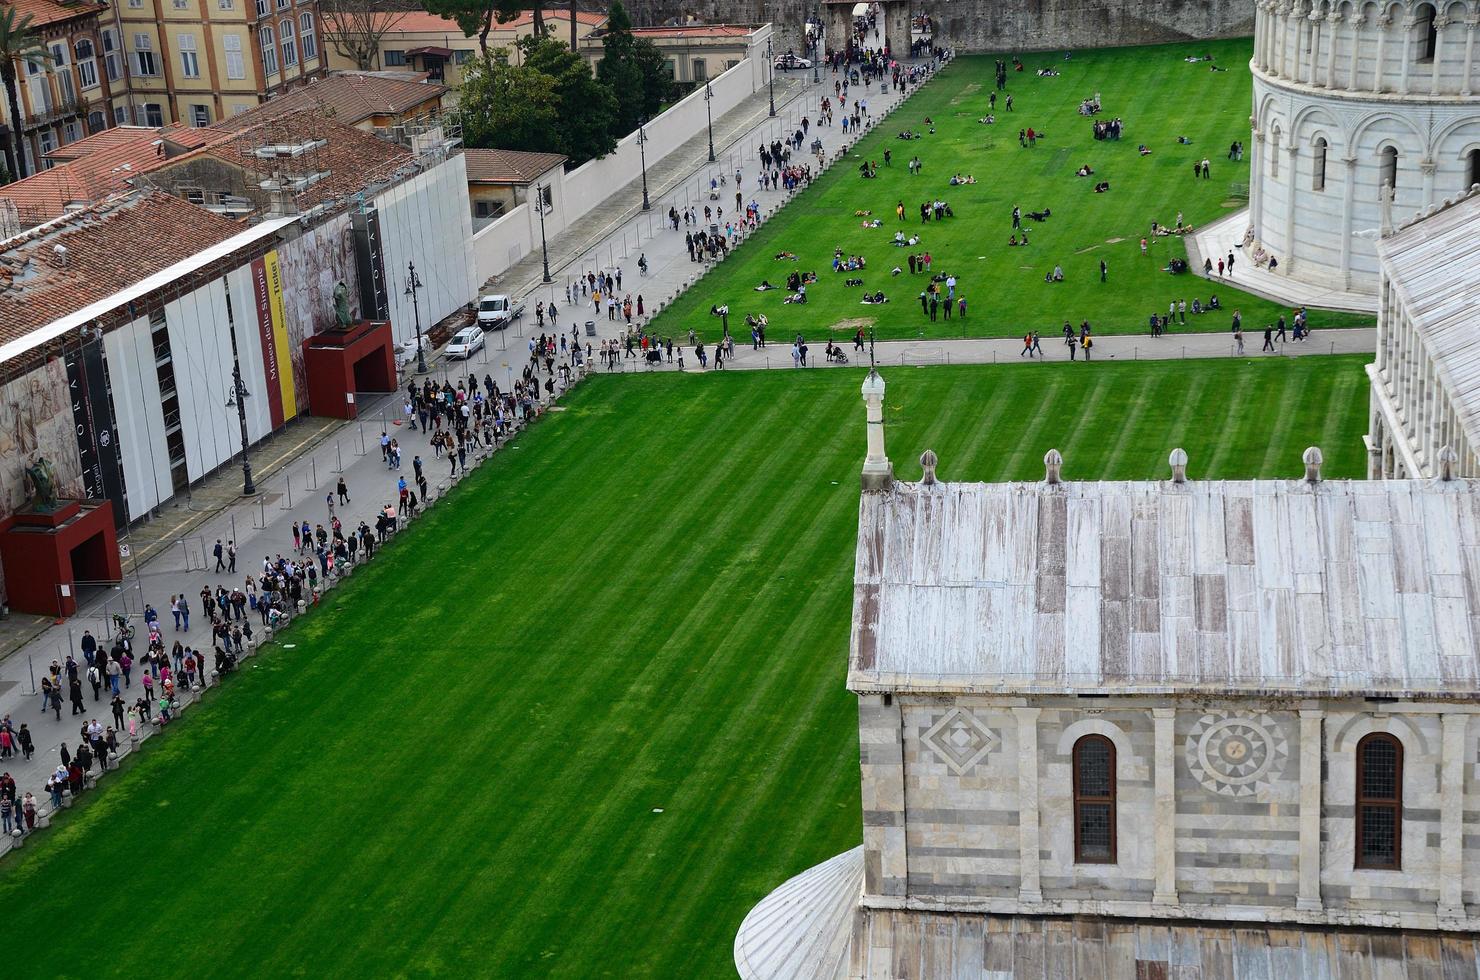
{"x":43,"y":483}
{"x":341,"y":304}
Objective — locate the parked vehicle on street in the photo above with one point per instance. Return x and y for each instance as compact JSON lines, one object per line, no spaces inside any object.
{"x":497,"y":311}
{"x":790,"y":62}
{"x":465,"y":343}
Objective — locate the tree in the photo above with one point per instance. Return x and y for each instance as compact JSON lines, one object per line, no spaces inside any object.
{"x":633,"y":69}
{"x":509,"y":107}
{"x":19,"y":45}
{"x":587,"y":107}
{"x":478,"y":16}
{"x":355,"y":28}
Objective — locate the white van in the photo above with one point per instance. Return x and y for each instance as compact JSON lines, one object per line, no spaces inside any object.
{"x":497,"y":311}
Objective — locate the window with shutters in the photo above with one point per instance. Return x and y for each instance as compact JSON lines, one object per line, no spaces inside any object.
{"x":144,"y":63}
{"x":189,"y":56}
{"x":112,"y":62}
{"x":87,"y":63}
{"x":1379,"y":802}
{"x":306,"y":39}
{"x":269,"y":50}
{"x":236,"y":65}
{"x":1094,"y":800}
{"x":290,"y":49}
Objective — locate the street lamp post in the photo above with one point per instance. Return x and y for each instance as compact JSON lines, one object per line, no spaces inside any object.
{"x":414,"y":283}
{"x":544,"y":248}
{"x":709,"y":111}
{"x":239,"y":395}
{"x":771,"y":75}
{"x":642,"y":151}
{"x":816,"y":52}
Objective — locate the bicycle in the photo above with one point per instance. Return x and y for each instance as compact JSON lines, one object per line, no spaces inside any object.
{"x":122,"y":626}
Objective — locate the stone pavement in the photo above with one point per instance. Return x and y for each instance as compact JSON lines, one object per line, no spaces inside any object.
{"x":1220,"y":237}
{"x":919,"y":353}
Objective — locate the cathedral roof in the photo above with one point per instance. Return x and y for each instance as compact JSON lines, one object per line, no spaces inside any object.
{"x":1433,"y":265}
{"x":1254,"y":587}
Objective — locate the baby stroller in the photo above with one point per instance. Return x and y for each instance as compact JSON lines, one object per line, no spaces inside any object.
{"x":654,"y":357}
{"x":835,"y":354}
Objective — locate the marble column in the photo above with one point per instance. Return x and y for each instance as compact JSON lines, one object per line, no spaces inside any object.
{"x":1451,"y":817}
{"x":1348,"y":193}
{"x":1408,"y":25}
{"x":1334,"y":19}
{"x":1354,"y":67}
{"x":1308,"y":894}
{"x":1029,"y":889}
{"x":1440,"y":25}
{"x":1165,"y":820}
{"x":1428,"y":168}
{"x":1312,"y":70}
{"x":1470,"y":25}
{"x":1256,"y":184}
{"x":1383,"y":23}
{"x":1292,"y":176}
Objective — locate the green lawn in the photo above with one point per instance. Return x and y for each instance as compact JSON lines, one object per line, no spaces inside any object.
{"x":1156,"y":93}
{"x":458,"y":768}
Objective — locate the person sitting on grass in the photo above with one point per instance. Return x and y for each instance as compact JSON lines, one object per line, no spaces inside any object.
{"x":1213,"y":302}
{"x":987,"y":120}
{"x":765,"y":285}
{"x":1013,"y":242}
{"x":873,"y":299}
{"x":1084,"y":171}
{"x":1144,"y":150}
{"x":1102,"y":187}
{"x":1057,"y":275}
{"x":800,"y":296}
{"x":852,"y":282}
{"x":1043,"y":215}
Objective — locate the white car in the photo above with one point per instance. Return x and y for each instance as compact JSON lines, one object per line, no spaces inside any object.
{"x":790,"y":62}
{"x":465,"y":343}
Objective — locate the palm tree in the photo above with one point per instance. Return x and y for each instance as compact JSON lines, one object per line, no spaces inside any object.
{"x":19,"y":45}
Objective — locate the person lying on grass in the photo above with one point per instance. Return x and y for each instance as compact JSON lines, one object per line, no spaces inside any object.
{"x":1084,"y":171}
{"x":786,"y":256}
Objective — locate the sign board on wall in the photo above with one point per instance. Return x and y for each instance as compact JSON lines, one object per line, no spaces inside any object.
{"x":277,"y":363}
{"x":92,"y":415}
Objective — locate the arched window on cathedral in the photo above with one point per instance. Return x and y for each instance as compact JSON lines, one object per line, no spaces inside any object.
{"x":1318,"y":165}
{"x":1428,"y":34}
{"x":1274,"y":152}
{"x":1387,"y":168}
{"x":1472,"y":169}
{"x":1379,"y":802}
{"x":1094,"y":800}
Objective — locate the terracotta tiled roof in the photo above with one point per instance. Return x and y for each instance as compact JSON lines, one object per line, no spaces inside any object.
{"x":109,"y":160}
{"x":193,"y":137}
{"x":106,"y":140}
{"x":352,"y":158}
{"x":43,"y":12}
{"x":509,"y":166}
{"x":421,"y":22}
{"x":108,"y":248}
{"x":349,"y":97}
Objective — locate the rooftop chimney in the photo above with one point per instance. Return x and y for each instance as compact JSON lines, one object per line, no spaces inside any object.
{"x":878,"y":472}
{"x":1312,"y":459}
{"x":1178,"y":459}
{"x":1053,"y":464}
{"x":928,"y":462}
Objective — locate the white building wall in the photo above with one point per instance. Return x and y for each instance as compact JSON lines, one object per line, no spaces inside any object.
{"x":200,"y":345}
{"x":426,"y":220}
{"x":138,"y":416}
{"x":1355,"y":76}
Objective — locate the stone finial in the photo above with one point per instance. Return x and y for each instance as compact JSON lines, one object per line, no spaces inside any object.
{"x":1447,"y":460}
{"x":1178,"y":460}
{"x":928,"y":462}
{"x":1312,"y":459}
{"x":1053,"y":464}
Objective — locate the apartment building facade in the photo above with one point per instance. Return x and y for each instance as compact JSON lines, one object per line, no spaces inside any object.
{"x":197,"y":62}
{"x":65,"y":98}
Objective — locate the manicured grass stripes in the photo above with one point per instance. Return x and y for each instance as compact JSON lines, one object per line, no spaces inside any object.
{"x":1158,"y":95}
{"x":644,"y":606}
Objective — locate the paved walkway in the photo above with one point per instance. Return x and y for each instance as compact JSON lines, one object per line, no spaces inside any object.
{"x":917,"y":353}
{"x":1220,"y":237}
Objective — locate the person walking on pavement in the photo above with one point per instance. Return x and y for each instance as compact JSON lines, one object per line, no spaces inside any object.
{"x":231,"y":557}
{"x":220,"y":554}
{"x":343,"y":491}
{"x":1268,"y":338}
